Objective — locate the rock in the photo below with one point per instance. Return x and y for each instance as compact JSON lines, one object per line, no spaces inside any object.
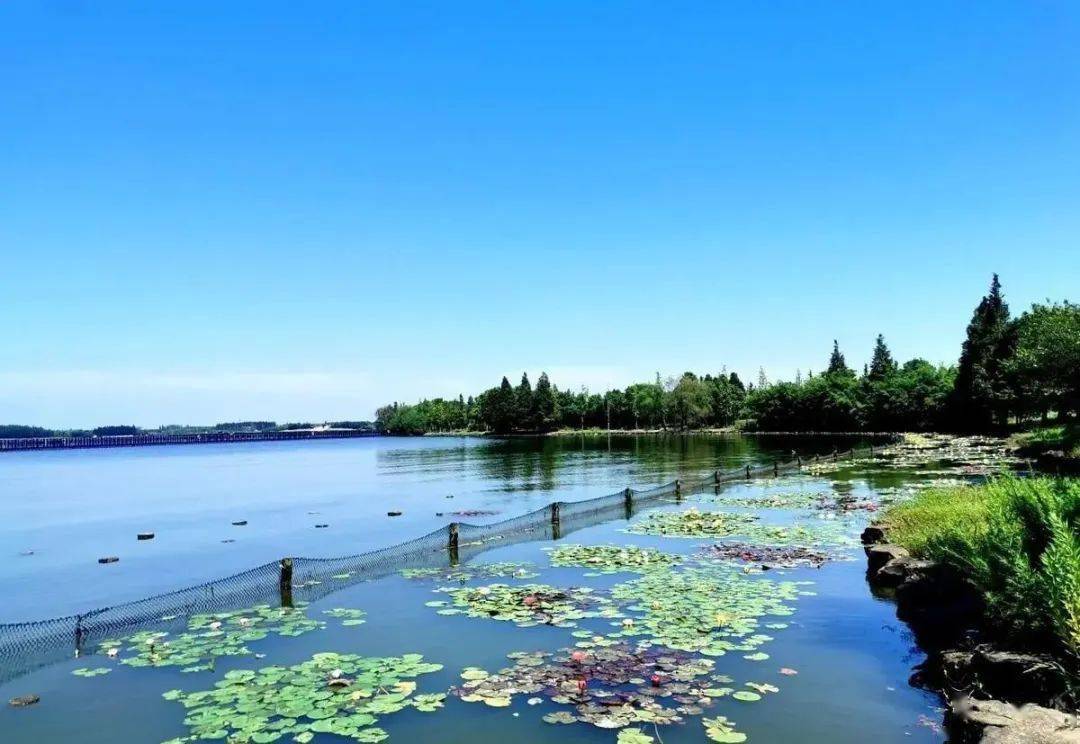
{"x":873,"y":535}
{"x":878,"y":555}
{"x":896,"y":572}
{"x":1019,"y":677}
{"x":995,"y":722}
{"x":145,"y":536}
{"x":24,"y":701}
{"x":108,"y":559}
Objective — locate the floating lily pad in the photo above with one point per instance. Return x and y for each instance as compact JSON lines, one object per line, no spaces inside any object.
{"x":501,"y":570}
{"x":692,"y":523}
{"x":613,"y":558}
{"x":209,"y":637}
{"x":610,"y":687}
{"x":91,"y":672}
{"x":339,"y":694}
{"x":722,"y":730}
{"x":530,"y":604}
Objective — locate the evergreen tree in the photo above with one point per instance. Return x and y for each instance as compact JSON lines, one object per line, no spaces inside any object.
{"x":523,"y":404}
{"x":882,"y":364}
{"x":837,"y":365}
{"x":979,"y":395}
{"x":545,"y":408}
{"x":762,"y":380}
{"x":734,"y":379}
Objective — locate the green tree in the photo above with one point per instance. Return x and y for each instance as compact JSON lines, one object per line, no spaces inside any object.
{"x":980,"y":396}
{"x":690,"y":401}
{"x":881,"y":363}
{"x":1044,"y":369}
{"x":545,"y":405}
{"x":523,"y":404}
{"x":837,"y":365}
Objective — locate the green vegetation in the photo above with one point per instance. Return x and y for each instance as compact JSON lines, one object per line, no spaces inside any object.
{"x":1017,"y":541}
{"x":1064,"y":438}
{"x":1010,"y":372}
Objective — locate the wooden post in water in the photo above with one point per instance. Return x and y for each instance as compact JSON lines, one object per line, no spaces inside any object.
{"x":798,"y":459}
{"x":285,"y":582}
{"x":80,"y":633}
{"x":556,"y":524}
{"x":834,"y":455}
{"x":678,"y":490}
{"x":628,"y":502}
{"x":747,"y":471}
{"x":452,"y":542}
{"x":775,"y":468}
{"x":716,"y":476}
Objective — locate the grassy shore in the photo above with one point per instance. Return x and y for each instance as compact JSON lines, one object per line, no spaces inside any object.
{"x":1063,"y":438}
{"x":1016,"y":539}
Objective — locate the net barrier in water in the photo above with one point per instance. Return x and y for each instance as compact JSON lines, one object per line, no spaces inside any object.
{"x":27,"y":646}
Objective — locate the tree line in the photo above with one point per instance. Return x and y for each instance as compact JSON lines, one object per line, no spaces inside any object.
{"x":1011,"y":370}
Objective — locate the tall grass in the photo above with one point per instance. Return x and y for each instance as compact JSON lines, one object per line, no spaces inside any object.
{"x":1017,"y":541}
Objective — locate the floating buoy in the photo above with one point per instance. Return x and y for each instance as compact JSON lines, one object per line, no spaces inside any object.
{"x":145,"y":536}
{"x":393,"y":514}
{"x":241,"y":523}
{"x":24,"y":700}
{"x":108,"y":559}
{"x":26,"y":553}
{"x":228,"y":540}
{"x":321,"y":526}
{"x":438,"y":514}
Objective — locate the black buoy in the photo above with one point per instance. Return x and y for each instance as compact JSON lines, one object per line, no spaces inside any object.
{"x":145,"y":536}
{"x":240,"y":523}
{"x":393,"y":514}
{"x":321,"y":526}
{"x":108,"y":559}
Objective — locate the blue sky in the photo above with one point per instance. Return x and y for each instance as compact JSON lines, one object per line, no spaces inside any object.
{"x":218,"y":211}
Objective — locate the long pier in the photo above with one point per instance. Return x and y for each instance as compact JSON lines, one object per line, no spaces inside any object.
{"x":150,"y":440}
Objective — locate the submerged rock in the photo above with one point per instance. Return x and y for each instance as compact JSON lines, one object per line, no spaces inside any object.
{"x":24,"y":701}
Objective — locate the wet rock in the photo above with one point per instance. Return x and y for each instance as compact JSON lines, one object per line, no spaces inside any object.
{"x":878,"y":555}
{"x":873,"y":535}
{"x":1019,"y":677}
{"x":24,"y":701}
{"x":896,"y":572}
{"x":108,"y":559}
{"x":995,"y":722}
{"x":145,"y":536}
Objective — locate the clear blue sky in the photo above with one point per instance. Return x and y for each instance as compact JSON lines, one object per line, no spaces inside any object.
{"x":214,"y":211}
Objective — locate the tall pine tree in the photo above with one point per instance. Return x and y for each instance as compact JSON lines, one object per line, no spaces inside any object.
{"x":545,"y":409}
{"x":882,"y":364}
{"x":523,"y":404}
{"x":837,"y":364}
{"x":979,"y":397}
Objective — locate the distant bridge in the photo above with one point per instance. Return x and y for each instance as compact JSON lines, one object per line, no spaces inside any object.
{"x":149,"y":440}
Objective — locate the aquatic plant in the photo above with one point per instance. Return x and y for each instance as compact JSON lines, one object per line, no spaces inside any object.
{"x":612,"y":558}
{"x":469,"y":571}
{"x":692,"y":523}
{"x":712,"y":610}
{"x":211,"y":636}
{"x":610,"y":688}
{"x":527,"y":604}
{"x":340,"y":694}
{"x":722,"y":730}
{"x":766,"y":556}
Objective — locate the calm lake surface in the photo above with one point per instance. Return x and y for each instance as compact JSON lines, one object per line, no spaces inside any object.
{"x":851,"y":655}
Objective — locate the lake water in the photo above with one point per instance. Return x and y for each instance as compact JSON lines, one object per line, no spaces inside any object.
{"x":851,"y":655}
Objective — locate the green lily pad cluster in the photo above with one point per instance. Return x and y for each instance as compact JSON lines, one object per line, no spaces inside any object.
{"x":610,"y":688}
{"x":349,"y":617}
{"x":340,"y":694}
{"x":711,"y":610}
{"x":97,"y":672}
{"x":501,"y":570}
{"x":210,"y":637}
{"x":693,"y":523}
{"x":722,"y":730}
{"x":527,"y":604}
{"x":613,"y":558}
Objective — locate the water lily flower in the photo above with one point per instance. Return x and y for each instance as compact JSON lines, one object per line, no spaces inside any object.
{"x":112,"y":652}
{"x":579,"y":656}
{"x":530,"y":600}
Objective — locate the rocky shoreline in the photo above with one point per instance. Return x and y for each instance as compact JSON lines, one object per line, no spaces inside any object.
{"x":995,"y":695}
